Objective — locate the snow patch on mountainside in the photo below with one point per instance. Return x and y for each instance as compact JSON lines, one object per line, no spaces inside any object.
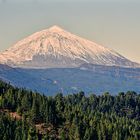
{"x":55,"y":47}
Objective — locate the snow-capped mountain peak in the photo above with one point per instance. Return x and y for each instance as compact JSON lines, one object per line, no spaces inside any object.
{"x":56,"y":28}
{"x":57,"y":48}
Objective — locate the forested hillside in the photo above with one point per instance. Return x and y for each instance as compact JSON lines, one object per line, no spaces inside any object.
{"x":26,"y":115}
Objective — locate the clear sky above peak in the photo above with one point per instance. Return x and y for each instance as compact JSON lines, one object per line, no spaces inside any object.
{"x":111,"y":23}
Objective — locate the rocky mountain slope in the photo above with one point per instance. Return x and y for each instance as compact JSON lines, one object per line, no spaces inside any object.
{"x":54,"y":60}
{"x":57,"y":48}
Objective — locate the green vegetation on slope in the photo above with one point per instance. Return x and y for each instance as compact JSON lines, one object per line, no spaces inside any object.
{"x":25,"y":115}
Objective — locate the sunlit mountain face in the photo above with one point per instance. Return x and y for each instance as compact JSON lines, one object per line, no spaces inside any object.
{"x":57,"y":48}
{"x":54,"y":60}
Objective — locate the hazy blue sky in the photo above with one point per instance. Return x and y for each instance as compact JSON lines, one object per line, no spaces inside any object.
{"x":111,"y":23}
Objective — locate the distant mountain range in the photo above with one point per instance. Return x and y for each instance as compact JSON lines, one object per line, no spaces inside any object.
{"x":54,"y":60}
